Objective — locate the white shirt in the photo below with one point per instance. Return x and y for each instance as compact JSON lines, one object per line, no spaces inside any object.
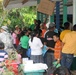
{"x":36,"y":46}
{"x":4,"y":39}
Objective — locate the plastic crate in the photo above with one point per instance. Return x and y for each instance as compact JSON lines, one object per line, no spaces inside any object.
{"x":40,"y":72}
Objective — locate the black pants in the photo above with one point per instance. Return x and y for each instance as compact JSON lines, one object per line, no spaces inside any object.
{"x":24,"y":53}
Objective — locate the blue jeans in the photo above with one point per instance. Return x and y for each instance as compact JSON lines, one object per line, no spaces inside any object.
{"x":66,"y":60}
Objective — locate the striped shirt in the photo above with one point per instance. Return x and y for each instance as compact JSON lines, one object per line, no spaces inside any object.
{"x":3,"y":55}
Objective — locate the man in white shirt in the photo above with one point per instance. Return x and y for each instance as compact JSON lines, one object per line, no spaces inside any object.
{"x":6,"y":38}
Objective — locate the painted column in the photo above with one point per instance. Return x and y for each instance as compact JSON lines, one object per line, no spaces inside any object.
{"x":74,"y":12}
{"x":38,"y":13}
{"x":57,"y":15}
{"x":42,"y":17}
{"x":64,"y":11}
{"x":52,"y":18}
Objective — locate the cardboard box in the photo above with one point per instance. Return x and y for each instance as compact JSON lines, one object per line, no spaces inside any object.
{"x":46,"y":7}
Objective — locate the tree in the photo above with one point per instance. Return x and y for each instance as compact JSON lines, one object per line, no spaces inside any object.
{"x":22,"y":17}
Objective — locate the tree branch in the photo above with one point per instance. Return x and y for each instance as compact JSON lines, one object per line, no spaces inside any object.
{"x":6,"y":3}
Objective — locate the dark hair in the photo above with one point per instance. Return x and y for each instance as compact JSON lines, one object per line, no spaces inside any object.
{"x":57,"y":35}
{"x":19,"y":51}
{"x":39,"y":22}
{"x":1,"y":45}
{"x":33,"y":34}
{"x":74,"y":27}
{"x":51,"y":26}
{"x":23,"y":32}
{"x":39,"y":32}
{"x":29,"y":29}
{"x":66,"y":25}
{"x":62,"y":71}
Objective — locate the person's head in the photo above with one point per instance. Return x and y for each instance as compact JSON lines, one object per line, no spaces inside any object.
{"x":29,"y":31}
{"x":39,"y":22}
{"x":52,"y":26}
{"x":16,"y":27}
{"x":74,"y":27}
{"x":66,"y":25}
{"x":1,"y":45}
{"x":24,"y":32}
{"x":35,"y":33}
{"x":61,"y":71}
{"x":4,"y":28}
{"x":35,"y":21}
{"x":56,"y":37}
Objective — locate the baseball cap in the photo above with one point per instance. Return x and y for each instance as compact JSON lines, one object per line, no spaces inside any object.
{"x":51,"y":25}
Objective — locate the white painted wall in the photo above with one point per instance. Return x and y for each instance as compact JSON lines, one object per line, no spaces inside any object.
{"x":70,"y":10}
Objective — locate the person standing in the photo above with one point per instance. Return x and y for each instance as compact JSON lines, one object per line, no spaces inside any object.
{"x":32,"y":27}
{"x":24,"y":43}
{"x":3,"y":55}
{"x":14,"y":36}
{"x":6,"y":38}
{"x":50,"y":43}
{"x":58,"y":47}
{"x":36,"y":48}
{"x":65,"y":31}
{"x":69,"y":48}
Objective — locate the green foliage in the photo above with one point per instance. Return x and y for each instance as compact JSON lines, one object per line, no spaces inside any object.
{"x":22,"y":17}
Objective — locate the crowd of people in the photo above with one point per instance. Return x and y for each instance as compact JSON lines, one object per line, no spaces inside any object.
{"x":56,"y":46}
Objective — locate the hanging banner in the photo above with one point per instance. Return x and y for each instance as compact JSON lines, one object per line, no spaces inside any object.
{"x":46,"y":7}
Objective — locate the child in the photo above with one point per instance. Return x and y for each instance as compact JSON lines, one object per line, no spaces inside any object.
{"x":58,"y":47}
{"x":3,"y":55}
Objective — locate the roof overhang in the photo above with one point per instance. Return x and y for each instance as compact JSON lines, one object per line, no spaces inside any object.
{"x":10,"y":4}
